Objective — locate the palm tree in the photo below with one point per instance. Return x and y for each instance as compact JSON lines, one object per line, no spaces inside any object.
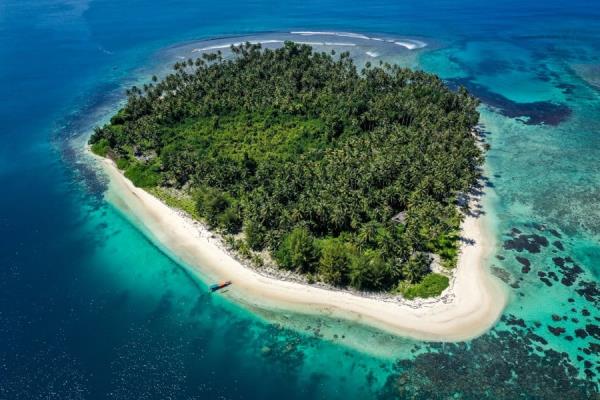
{"x":409,"y":273}
{"x":367,"y":234}
{"x":387,"y":140}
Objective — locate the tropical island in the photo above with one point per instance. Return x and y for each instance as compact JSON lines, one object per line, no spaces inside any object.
{"x":351,"y":178}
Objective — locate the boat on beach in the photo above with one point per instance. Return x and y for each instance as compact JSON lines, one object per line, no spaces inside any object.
{"x":219,"y":286}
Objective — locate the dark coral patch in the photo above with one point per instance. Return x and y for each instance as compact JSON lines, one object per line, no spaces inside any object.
{"x":558,"y":245}
{"x":546,"y":281}
{"x":556,"y":330}
{"x":581,"y":333}
{"x":535,"y":113}
{"x":485,"y":369}
{"x":537,"y":338}
{"x":524,"y":261}
{"x":558,"y":261}
{"x":593,"y":331}
{"x":555,"y":233}
{"x":570,"y":273}
{"x":566,"y":88}
{"x":590,"y":291}
{"x":513,"y":320}
{"x":532,"y":243}
{"x":502,"y":274}
{"x":567,"y":281}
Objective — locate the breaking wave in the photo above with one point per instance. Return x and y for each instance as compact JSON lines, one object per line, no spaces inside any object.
{"x":410,"y":44}
{"x":228,"y":45}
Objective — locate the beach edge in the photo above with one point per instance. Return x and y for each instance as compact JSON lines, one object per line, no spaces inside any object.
{"x":468,"y":308}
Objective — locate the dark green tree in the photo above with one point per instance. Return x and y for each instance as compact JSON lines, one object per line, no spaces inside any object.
{"x":334,"y":263}
{"x":417,"y":266}
{"x":298,"y":251}
{"x":274,"y":140}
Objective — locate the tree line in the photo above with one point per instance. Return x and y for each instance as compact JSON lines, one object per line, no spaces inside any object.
{"x":308,"y":157}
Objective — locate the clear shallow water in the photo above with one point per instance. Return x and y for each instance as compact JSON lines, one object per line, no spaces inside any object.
{"x":89,"y":308}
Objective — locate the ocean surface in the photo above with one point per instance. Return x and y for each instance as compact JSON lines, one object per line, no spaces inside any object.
{"x":92,"y":309}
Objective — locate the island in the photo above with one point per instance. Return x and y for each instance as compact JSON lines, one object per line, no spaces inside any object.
{"x":300,"y":163}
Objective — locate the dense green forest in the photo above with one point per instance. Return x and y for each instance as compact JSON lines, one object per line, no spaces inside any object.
{"x":310,"y":159}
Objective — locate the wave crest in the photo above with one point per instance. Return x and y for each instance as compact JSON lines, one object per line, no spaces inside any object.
{"x":410,"y":44}
{"x":228,"y":45}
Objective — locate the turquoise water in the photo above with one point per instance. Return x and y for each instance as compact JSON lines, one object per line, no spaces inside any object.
{"x":90,"y":308}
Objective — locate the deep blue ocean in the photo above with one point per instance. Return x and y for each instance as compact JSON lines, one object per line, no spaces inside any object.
{"x":92,"y":309}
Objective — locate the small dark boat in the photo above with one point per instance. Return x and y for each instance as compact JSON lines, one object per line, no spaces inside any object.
{"x":219,"y":286}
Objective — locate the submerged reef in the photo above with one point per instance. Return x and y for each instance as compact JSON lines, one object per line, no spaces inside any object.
{"x":499,"y":365}
{"x":534,"y":113}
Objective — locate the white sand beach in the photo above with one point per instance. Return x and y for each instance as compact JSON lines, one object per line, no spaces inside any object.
{"x":468,"y":308}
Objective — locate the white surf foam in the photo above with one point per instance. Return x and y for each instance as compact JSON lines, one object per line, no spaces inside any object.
{"x":372,"y":54}
{"x":410,"y":44}
{"x":228,"y":45}
{"x":342,"y":34}
{"x":326,"y":43}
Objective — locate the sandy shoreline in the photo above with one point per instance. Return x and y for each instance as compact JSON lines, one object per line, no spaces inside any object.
{"x":468,"y":308}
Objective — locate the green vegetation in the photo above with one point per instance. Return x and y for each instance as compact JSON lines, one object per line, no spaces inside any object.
{"x":101,"y":147}
{"x":298,"y":250}
{"x":175,"y":199}
{"x":309,"y":158}
{"x":334,"y":263}
{"x":431,"y":285}
{"x":141,"y":175}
